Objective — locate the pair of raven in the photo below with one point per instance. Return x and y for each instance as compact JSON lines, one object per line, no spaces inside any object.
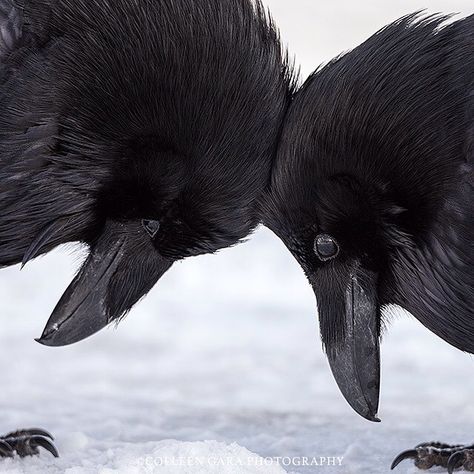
{"x":154,"y":130}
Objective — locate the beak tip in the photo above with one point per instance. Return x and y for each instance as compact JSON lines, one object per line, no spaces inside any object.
{"x":44,"y":340}
{"x":54,"y":337}
{"x":374,"y":418}
{"x":367,"y":413}
{"x":64,"y":329}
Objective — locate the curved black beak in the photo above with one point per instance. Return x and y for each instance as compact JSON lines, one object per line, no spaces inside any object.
{"x":121,"y":268}
{"x":352,"y":340}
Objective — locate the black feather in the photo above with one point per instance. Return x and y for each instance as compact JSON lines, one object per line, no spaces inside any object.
{"x":377,"y":151}
{"x":120,"y":111}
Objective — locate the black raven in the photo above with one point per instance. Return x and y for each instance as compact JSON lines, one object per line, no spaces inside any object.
{"x":144,"y":129}
{"x":373,"y":192}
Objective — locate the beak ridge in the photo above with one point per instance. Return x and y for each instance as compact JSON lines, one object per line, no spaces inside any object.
{"x":81,"y":310}
{"x":122,"y":267}
{"x":355,"y":361}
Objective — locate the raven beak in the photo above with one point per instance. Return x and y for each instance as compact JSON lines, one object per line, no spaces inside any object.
{"x":354,"y":357}
{"x":118,"y":272}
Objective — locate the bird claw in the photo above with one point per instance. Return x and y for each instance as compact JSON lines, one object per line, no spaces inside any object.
{"x":427,"y":455}
{"x":456,"y":460}
{"x":27,"y":443}
{"x":6,"y":451}
{"x":409,"y":454}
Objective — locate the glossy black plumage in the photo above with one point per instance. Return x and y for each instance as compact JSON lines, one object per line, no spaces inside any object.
{"x":115,"y":114}
{"x":377,"y":152}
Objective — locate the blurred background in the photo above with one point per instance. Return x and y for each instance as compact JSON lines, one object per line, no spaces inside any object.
{"x":223,"y":357}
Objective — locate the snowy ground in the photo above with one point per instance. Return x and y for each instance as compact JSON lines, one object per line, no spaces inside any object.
{"x":224,"y":349}
{"x":222,"y":361}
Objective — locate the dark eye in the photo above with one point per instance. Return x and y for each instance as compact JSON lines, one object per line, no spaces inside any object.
{"x":152,"y":227}
{"x":325,"y":247}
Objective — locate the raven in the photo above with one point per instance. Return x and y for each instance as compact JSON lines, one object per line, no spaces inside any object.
{"x":372,"y":193}
{"x":145,"y":129}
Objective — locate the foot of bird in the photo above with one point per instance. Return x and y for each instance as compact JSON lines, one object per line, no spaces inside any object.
{"x":427,"y":455}
{"x":26,"y":443}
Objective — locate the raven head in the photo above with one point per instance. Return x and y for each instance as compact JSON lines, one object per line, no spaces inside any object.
{"x":373,"y":189}
{"x":146,"y":131}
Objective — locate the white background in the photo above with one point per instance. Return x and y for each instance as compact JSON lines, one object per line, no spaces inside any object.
{"x":225,"y":349}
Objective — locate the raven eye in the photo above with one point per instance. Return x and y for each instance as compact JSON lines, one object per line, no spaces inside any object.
{"x":325,"y":247}
{"x":152,"y":227}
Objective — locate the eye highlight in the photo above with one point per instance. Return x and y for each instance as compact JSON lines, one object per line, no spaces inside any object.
{"x":325,"y":247}
{"x":151,"y":226}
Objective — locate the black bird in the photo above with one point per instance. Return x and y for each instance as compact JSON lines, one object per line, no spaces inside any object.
{"x":144,"y":129}
{"x":373,"y":192}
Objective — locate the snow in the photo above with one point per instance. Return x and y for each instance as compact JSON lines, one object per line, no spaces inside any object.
{"x":221,"y":360}
{"x":221,"y":364}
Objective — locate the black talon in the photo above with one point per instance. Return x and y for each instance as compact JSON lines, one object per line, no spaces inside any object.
{"x":36,"y":441}
{"x":427,"y":455}
{"x":5,"y":449}
{"x":28,"y":433}
{"x":27,"y":443}
{"x":456,"y":460}
{"x":410,"y":454}
{"x":39,"y":432}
